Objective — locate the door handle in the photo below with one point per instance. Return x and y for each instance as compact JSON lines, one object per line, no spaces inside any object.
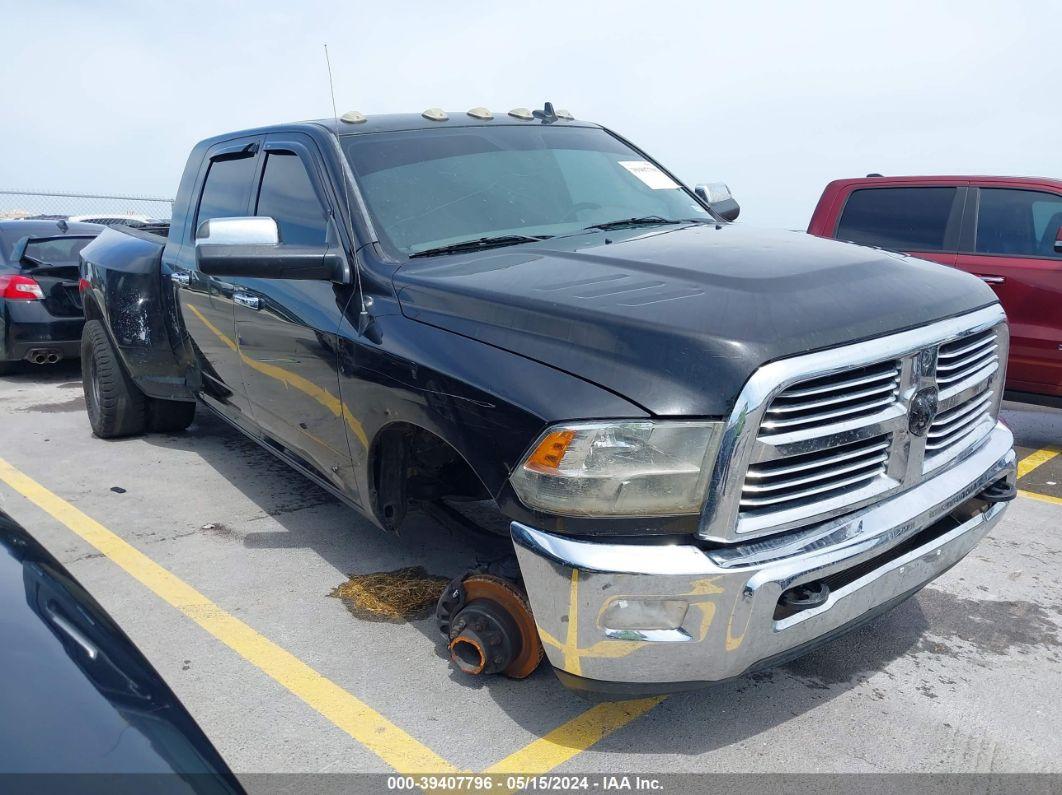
{"x":248,"y":301}
{"x":180,"y":279}
{"x":992,"y":279}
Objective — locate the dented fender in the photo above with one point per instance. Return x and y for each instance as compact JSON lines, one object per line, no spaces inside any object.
{"x":122,"y":287}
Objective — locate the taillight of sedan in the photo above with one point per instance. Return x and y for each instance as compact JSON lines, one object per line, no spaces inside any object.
{"x":20,"y":288}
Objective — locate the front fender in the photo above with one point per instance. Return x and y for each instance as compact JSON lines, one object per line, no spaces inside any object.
{"x":487,"y":403}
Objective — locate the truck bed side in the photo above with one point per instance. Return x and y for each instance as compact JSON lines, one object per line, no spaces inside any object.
{"x":122,"y":287}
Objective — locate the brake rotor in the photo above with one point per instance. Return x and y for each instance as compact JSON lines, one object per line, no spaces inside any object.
{"x":512,"y":600}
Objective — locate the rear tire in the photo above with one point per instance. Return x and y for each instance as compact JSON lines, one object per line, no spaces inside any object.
{"x":7,"y":368}
{"x":116,"y":407}
{"x":169,"y":416}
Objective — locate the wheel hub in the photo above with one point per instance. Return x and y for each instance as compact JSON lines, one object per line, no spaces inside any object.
{"x":489,"y":626}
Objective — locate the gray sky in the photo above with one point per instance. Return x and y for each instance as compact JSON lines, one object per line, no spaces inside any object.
{"x":775,"y":99}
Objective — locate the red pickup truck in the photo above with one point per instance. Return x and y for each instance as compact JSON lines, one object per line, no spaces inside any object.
{"x":1005,"y":230}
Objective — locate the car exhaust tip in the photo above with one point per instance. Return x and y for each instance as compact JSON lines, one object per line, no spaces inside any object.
{"x":43,"y":356}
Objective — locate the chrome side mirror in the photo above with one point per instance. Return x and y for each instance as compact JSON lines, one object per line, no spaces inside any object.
{"x":250,"y":231}
{"x":718,"y":197}
{"x":251,"y":248}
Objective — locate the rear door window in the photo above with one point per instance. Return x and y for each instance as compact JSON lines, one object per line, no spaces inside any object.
{"x":227,"y":189}
{"x":288,"y":197}
{"x":1018,"y":222}
{"x":901,"y":219}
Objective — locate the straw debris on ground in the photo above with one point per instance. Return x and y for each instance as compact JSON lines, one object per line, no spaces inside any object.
{"x":393,"y":596}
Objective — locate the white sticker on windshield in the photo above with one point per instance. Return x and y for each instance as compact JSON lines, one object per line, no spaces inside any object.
{"x":649,"y":174}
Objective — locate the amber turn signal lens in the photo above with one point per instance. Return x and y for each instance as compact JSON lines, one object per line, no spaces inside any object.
{"x":550,"y":450}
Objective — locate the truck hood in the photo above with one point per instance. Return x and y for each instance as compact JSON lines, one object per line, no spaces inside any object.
{"x":677,"y":319}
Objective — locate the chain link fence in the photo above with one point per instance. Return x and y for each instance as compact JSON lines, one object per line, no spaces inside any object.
{"x":92,"y":207}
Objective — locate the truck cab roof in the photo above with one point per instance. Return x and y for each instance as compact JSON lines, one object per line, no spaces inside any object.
{"x":397,"y":122}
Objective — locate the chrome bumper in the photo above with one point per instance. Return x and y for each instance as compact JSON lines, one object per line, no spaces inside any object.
{"x":729,"y":626}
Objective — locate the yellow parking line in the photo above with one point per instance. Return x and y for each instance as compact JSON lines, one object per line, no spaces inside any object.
{"x":1032,"y":461}
{"x":1032,"y":495}
{"x":360,"y":721}
{"x":572,"y":738}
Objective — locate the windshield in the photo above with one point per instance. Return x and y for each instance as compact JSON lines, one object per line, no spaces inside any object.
{"x":427,"y":189}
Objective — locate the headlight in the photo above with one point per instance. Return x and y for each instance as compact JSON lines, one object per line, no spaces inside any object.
{"x":634,"y":468}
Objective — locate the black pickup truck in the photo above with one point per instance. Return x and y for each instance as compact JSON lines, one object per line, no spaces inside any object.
{"x":712,"y":447}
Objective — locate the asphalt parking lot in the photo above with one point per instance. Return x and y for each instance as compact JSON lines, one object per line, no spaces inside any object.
{"x":219,"y":562}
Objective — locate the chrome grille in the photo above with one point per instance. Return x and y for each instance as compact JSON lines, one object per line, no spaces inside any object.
{"x":844,"y":396}
{"x":972,"y":359}
{"x":794,"y":481}
{"x":952,"y":425}
{"x":826,"y":433}
{"x":967,"y":370}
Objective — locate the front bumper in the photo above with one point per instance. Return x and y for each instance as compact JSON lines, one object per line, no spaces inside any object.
{"x":871,"y":559}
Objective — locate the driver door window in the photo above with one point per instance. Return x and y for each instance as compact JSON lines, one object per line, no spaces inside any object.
{"x":287,"y":195}
{"x":1018,"y":223}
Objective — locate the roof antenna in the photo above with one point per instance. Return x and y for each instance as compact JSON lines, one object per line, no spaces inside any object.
{"x":364,"y":318}
{"x":331,"y":88}
{"x":547,"y":114}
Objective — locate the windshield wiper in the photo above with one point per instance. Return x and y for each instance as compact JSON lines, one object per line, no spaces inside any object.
{"x":479,"y":244}
{"x":644,"y":220}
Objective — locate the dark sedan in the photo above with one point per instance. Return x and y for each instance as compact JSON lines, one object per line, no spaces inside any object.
{"x":76,"y":696}
{"x":40,"y":309}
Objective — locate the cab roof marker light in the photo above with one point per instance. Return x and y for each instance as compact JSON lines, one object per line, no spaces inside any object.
{"x":353,"y":117}
{"x":480,"y":113}
{"x":435,"y":114}
{"x":521,"y":113}
{"x":565,"y":114}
